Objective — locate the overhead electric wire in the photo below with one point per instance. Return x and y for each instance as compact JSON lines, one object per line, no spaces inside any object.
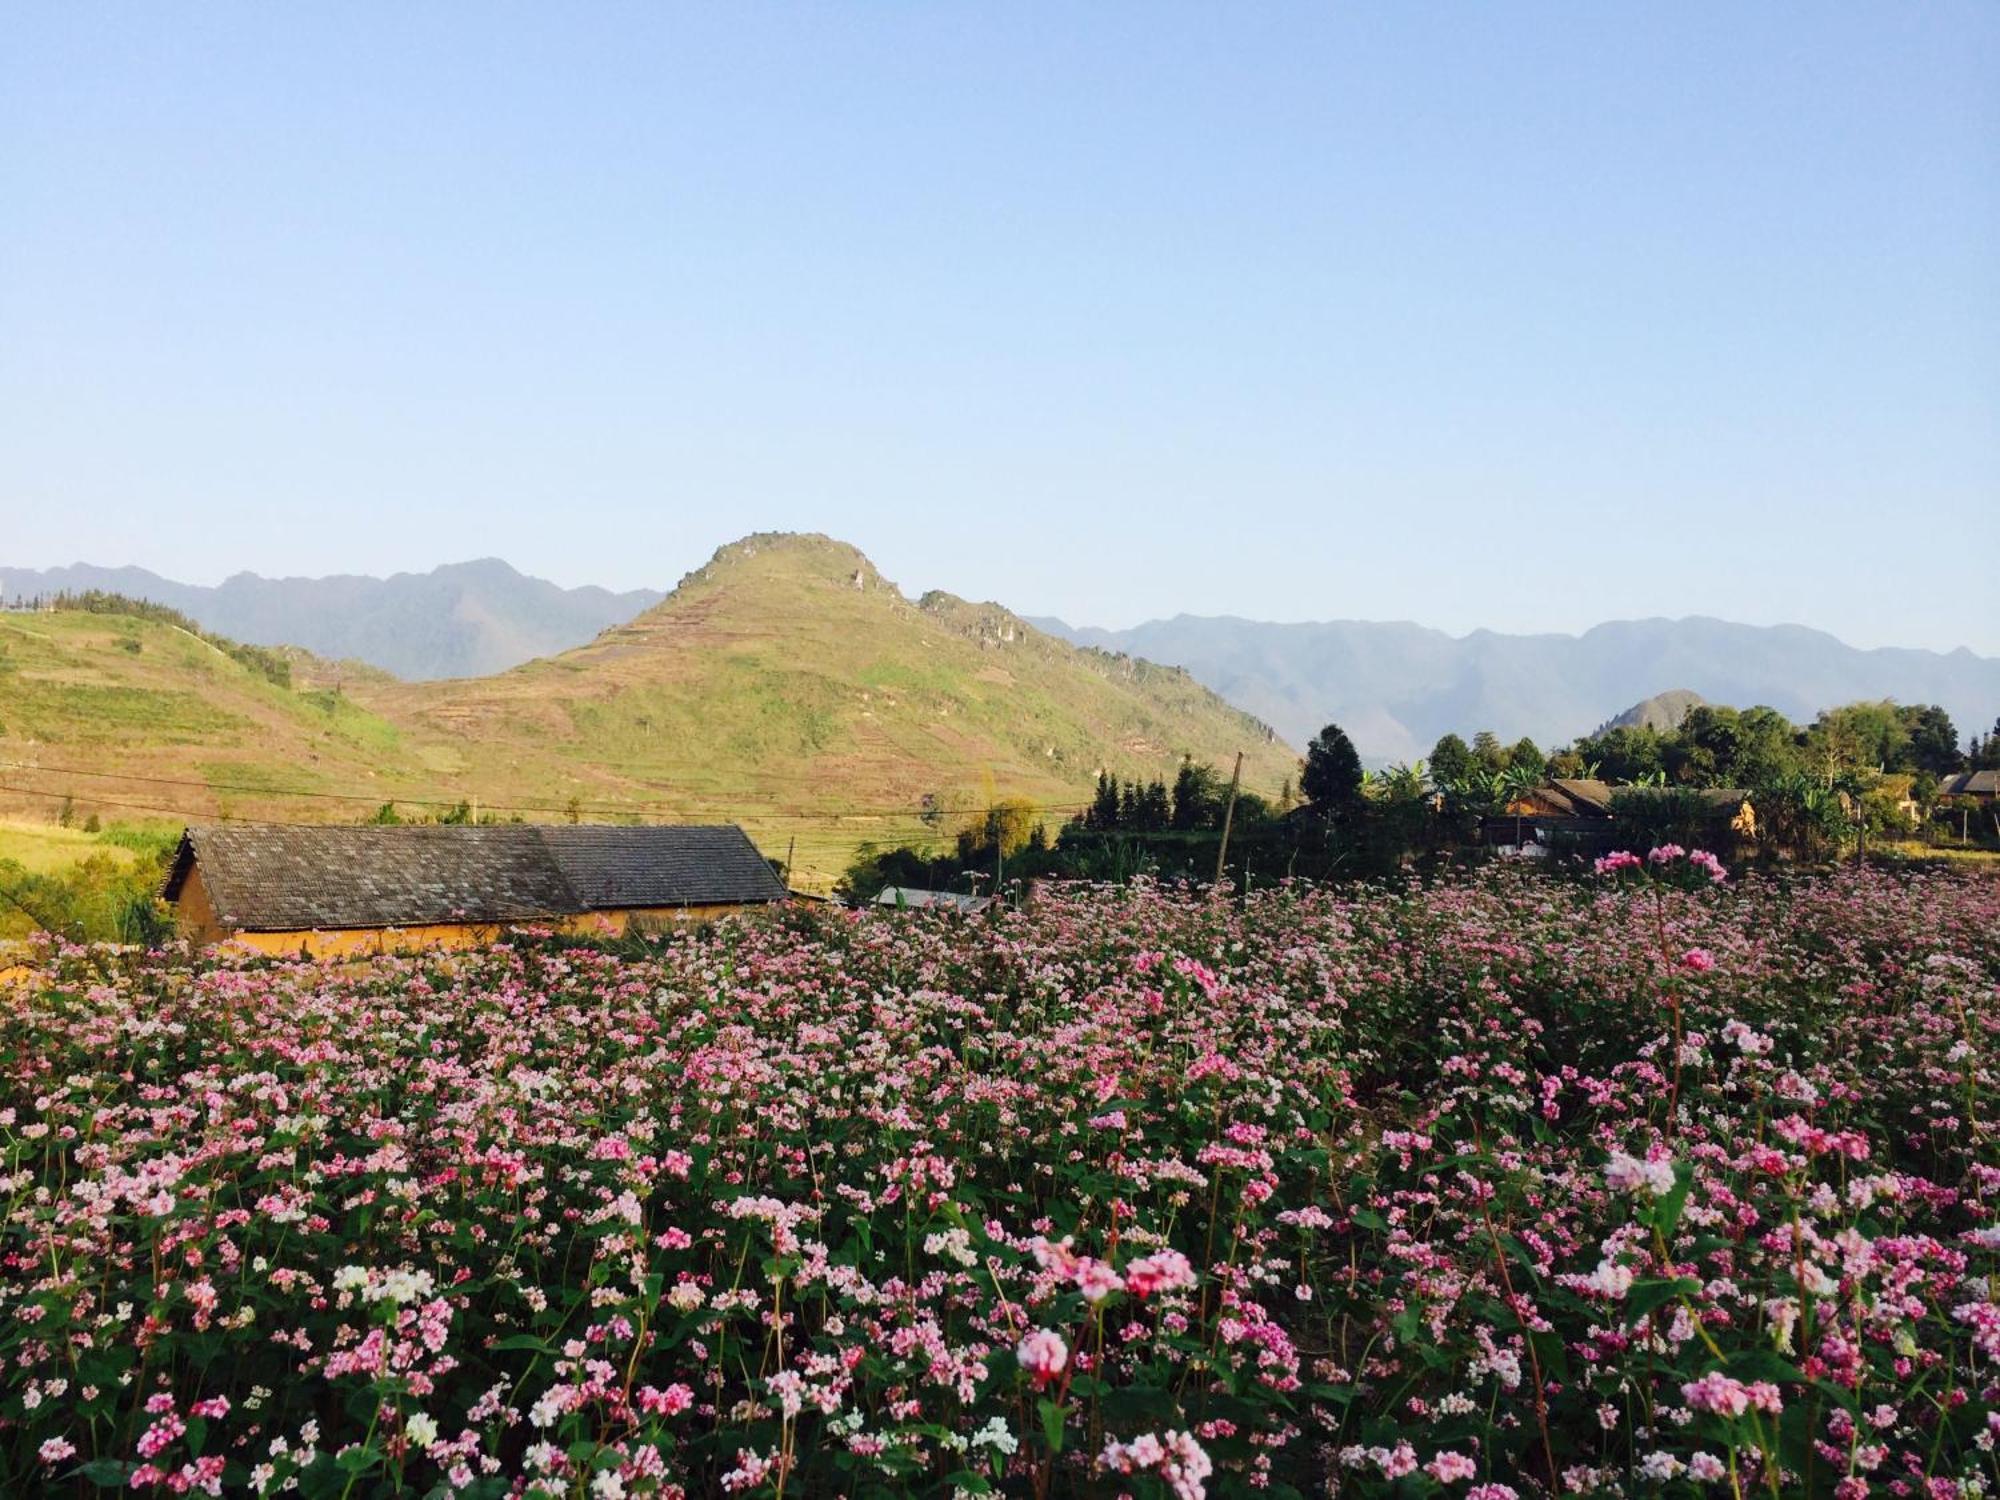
{"x":900,"y":814}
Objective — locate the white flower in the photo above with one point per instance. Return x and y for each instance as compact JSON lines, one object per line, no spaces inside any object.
{"x":422,"y":1429}
{"x":1612,"y":1279}
{"x":1629,"y":1174}
{"x":995,"y":1435}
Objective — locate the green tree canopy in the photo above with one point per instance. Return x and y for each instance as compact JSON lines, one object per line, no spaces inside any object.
{"x":1331,"y":775}
{"x":1451,"y":761}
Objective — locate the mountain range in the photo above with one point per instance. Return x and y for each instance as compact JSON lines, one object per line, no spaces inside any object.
{"x":784,"y":685}
{"x":461,"y":620}
{"x":1395,"y":688}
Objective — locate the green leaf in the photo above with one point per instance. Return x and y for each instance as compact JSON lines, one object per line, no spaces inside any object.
{"x":522,"y":1341}
{"x":1667,"y":1211}
{"x":109,"y":1472}
{"x":1554,"y":1355}
{"x":1764,"y":1364}
{"x":1647,"y":1296}
{"x":1140,"y":1405}
{"x":1052,"y":1423}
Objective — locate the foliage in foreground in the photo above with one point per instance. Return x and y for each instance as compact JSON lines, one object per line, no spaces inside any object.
{"x":1647,"y":1185}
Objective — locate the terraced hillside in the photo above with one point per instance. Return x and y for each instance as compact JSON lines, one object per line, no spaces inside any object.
{"x":785,"y":685}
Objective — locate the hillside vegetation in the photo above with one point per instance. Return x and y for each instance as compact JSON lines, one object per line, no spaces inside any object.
{"x":785,"y":685}
{"x":457,"y":620}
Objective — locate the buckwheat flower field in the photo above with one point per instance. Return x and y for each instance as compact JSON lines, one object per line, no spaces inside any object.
{"x":1647,"y":1183}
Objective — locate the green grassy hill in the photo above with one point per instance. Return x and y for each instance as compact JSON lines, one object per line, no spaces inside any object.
{"x":785,"y":685}
{"x":120,"y":712}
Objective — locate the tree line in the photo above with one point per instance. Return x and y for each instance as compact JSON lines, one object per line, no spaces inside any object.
{"x":1861,"y":770}
{"x":273,"y":666}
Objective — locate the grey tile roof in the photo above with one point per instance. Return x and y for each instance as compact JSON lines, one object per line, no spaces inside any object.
{"x":276,"y":878}
{"x":678,"y":865}
{"x":1971,"y":784}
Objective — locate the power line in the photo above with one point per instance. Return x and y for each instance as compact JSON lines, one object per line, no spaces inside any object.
{"x":893,"y":815}
{"x":903,"y":811}
{"x":165,"y":812}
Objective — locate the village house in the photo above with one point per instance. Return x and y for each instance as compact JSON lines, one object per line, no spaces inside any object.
{"x":339,"y":891}
{"x":1580,"y":812}
{"x":1967,"y":795}
{"x":1981,"y":786}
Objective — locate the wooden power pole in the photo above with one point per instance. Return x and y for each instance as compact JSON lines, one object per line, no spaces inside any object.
{"x":1228,"y":817}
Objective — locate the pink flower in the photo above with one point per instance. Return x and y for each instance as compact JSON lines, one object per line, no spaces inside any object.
{"x":1181,"y":1461}
{"x":1700,"y":960}
{"x":1631,"y":1174}
{"x":1449,"y":1468}
{"x":1729,"y":1397}
{"x":1096,"y":1280}
{"x":1620,"y":859}
{"x":1043,"y":1355}
{"x":56,"y":1449}
{"x":1162,"y":1271}
{"x":670,"y":1402}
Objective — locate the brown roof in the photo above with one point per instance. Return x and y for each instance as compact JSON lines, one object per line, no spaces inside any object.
{"x":1587,"y":797}
{"x":1580,"y":797}
{"x":277,"y":878}
{"x":1971,"y":784}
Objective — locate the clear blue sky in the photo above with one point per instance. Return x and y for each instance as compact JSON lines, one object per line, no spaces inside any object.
{"x":1105,"y":310}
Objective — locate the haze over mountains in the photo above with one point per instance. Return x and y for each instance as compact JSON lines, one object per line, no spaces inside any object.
{"x":1394,"y":686}
{"x":784,"y":685}
{"x":461,"y":620}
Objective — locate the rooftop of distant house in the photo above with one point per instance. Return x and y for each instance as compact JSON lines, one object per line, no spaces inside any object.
{"x":287,"y":878}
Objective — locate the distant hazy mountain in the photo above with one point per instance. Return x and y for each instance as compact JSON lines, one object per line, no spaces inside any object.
{"x":1396,"y":687}
{"x":1662,"y":711}
{"x":461,"y":620}
{"x":785,"y":685}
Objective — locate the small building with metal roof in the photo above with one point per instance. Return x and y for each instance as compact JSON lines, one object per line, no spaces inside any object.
{"x":909,"y":896}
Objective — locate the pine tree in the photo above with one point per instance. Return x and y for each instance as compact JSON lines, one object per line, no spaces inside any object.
{"x":1331,"y":775}
{"x":1103,"y":814}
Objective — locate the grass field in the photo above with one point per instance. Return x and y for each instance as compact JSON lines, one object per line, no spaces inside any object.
{"x":44,"y":848}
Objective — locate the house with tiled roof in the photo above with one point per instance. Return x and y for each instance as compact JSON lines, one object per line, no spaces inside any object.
{"x":334,"y":890}
{"x":1582,"y":812}
{"x":1981,"y":786}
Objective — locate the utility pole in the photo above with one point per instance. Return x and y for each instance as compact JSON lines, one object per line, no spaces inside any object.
{"x":791,"y":845}
{"x":999,"y":858}
{"x":1228,"y":817}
